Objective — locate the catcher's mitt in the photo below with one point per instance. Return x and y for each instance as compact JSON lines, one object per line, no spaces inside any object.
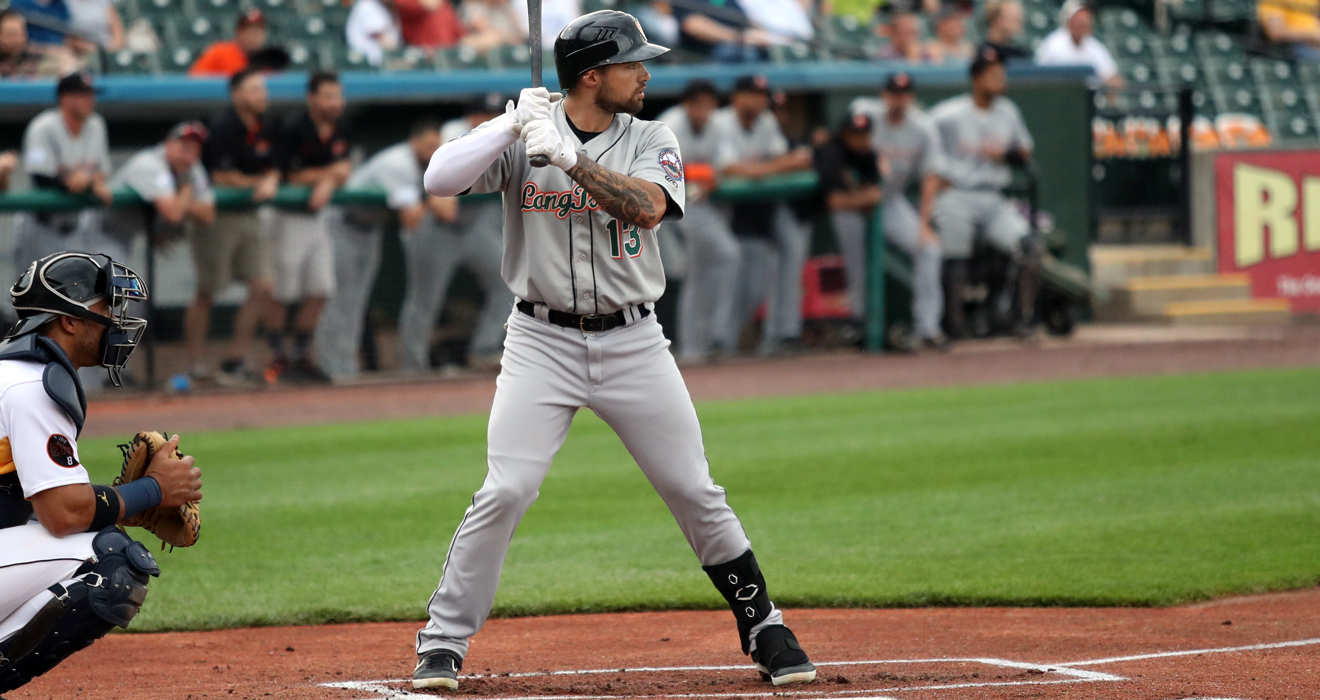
{"x":179,"y":527}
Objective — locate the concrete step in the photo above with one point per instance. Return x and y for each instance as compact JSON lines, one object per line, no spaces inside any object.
{"x":1147,"y":297}
{"x":1112,"y":265}
{"x":1231,"y":312}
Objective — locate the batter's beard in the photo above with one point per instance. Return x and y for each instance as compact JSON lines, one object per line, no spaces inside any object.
{"x":612,"y":103}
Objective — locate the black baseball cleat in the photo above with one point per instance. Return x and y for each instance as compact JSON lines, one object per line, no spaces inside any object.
{"x":780,"y":658}
{"x":437,"y":669}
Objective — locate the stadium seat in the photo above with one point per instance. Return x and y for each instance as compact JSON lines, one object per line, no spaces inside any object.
{"x":302,"y":57}
{"x":792,"y":53}
{"x":126,"y":62}
{"x":334,"y":54}
{"x":407,"y":58}
{"x":179,"y":58}
{"x":509,"y":57}
{"x":461,"y":58}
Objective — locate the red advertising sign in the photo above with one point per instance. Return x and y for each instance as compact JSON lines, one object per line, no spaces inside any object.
{"x":1269,"y":222}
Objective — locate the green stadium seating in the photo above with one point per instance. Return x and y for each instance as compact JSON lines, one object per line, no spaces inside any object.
{"x":510,"y":57}
{"x":461,"y":58}
{"x":793,"y":53}
{"x":304,"y":57}
{"x":126,"y":62}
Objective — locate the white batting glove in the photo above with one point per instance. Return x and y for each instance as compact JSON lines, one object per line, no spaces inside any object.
{"x":543,"y":139}
{"x":509,"y":120}
{"x":535,"y":103}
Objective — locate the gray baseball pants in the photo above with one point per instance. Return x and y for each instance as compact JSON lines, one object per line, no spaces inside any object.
{"x":339,"y":330}
{"x":629,"y":379}
{"x":706,"y":304}
{"x":958,"y":214}
{"x":433,"y":253}
{"x":902,"y":228}
{"x":771,"y":272}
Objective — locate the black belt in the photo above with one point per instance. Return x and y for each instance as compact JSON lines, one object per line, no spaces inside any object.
{"x":587,"y":323}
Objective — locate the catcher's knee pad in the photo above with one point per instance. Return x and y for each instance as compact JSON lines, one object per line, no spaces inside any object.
{"x":103,"y":595}
{"x":741,"y":583}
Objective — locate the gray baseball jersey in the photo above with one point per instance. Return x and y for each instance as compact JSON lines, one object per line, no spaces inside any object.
{"x":696,"y":147}
{"x":966,"y":131}
{"x":911,"y":148}
{"x":50,"y":150}
{"x":763,"y":141}
{"x":560,"y":248}
{"x":149,"y":174}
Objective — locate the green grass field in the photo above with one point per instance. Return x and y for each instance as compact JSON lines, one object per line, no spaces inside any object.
{"x":1118,"y":492}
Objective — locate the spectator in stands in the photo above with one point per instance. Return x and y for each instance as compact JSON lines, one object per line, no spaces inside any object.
{"x":170,"y":178}
{"x":863,"y":10}
{"x":47,"y":23}
{"x":774,"y":247}
{"x":659,"y":23}
{"x":1003,"y":27}
{"x":950,"y":42}
{"x":904,"y":32}
{"x":239,"y":153}
{"x":16,"y":59}
{"x":735,"y":31}
{"x":555,"y":15}
{"x":489,"y":24}
{"x":359,"y":233}
{"x":373,"y":29}
{"x":312,"y":151}
{"x":983,"y":138}
{"x":1073,"y":44}
{"x":429,"y":24}
{"x":95,"y":26}
{"x":1292,"y":23}
{"x":229,"y":57}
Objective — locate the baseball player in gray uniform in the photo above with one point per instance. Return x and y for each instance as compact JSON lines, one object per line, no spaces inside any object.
{"x":66,"y":149}
{"x":456,"y":234}
{"x":170,"y":178}
{"x":983,"y":136}
{"x":774,"y":246}
{"x":580,"y":255}
{"x":706,"y":303}
{"x":357,"y":234}
{"x":905,"y":140}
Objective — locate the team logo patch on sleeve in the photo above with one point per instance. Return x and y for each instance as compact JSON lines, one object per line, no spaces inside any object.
{"x":671,"y":164}
{"x":61,"y":451}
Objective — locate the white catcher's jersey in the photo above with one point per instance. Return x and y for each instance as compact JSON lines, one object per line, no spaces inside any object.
{"x":560,"y":248}
{"x":37,"y":438}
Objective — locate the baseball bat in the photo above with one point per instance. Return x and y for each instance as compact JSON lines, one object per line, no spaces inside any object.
{"x":535,"y":53}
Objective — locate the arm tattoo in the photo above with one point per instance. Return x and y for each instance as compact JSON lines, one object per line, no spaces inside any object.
{"x":628,"y":199}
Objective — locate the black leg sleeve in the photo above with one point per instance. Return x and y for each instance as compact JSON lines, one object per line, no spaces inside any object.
{"x":741,"y":583}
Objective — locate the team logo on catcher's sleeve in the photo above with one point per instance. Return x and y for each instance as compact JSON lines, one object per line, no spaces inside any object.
{"x":671,"y":164}
{"x":61,"y":451}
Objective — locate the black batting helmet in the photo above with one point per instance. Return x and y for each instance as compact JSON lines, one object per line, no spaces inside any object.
{"x":600,"y":39}
{"x":69,"y":284}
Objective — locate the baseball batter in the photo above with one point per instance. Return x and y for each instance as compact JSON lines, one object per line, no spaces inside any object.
{"x":67,"y":573}
{"x":580,"y":255}
{"x":706,"y":304}
{"x":906,"y":142}
{"x":983,"y":135}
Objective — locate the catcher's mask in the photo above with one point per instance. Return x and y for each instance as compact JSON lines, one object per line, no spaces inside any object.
{"x":69,"y":284}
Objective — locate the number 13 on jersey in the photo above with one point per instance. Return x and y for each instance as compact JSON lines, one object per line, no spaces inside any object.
{"x":623,"y":239}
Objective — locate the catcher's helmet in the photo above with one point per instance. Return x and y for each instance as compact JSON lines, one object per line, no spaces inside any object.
{"x":600,"y":39}
{"x":69,"y":284}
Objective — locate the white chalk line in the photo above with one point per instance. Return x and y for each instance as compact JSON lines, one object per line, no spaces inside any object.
{"x":381,"y":687}
{"x":1194,"y":652}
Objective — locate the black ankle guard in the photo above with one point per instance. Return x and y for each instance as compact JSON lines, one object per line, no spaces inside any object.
{"x":741,"y":583}
{"x":776,"y":648}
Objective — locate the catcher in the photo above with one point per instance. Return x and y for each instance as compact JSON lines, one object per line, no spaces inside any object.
{"x":68,"y":574}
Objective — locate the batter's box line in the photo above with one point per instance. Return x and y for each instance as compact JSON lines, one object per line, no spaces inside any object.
{"x":382,"y":688}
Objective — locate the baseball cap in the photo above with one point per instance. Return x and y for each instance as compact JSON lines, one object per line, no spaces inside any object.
{"x":856,"y":122}
{"x":194,"y":130}
{"x":250,"y":17}
{"x":697,"y":87}
{"x":1070,"y":8}
{"x":80,"y":81}
{"x":899,"y":82}
{"x":752,"y":83}
{"x":986,"y":56}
